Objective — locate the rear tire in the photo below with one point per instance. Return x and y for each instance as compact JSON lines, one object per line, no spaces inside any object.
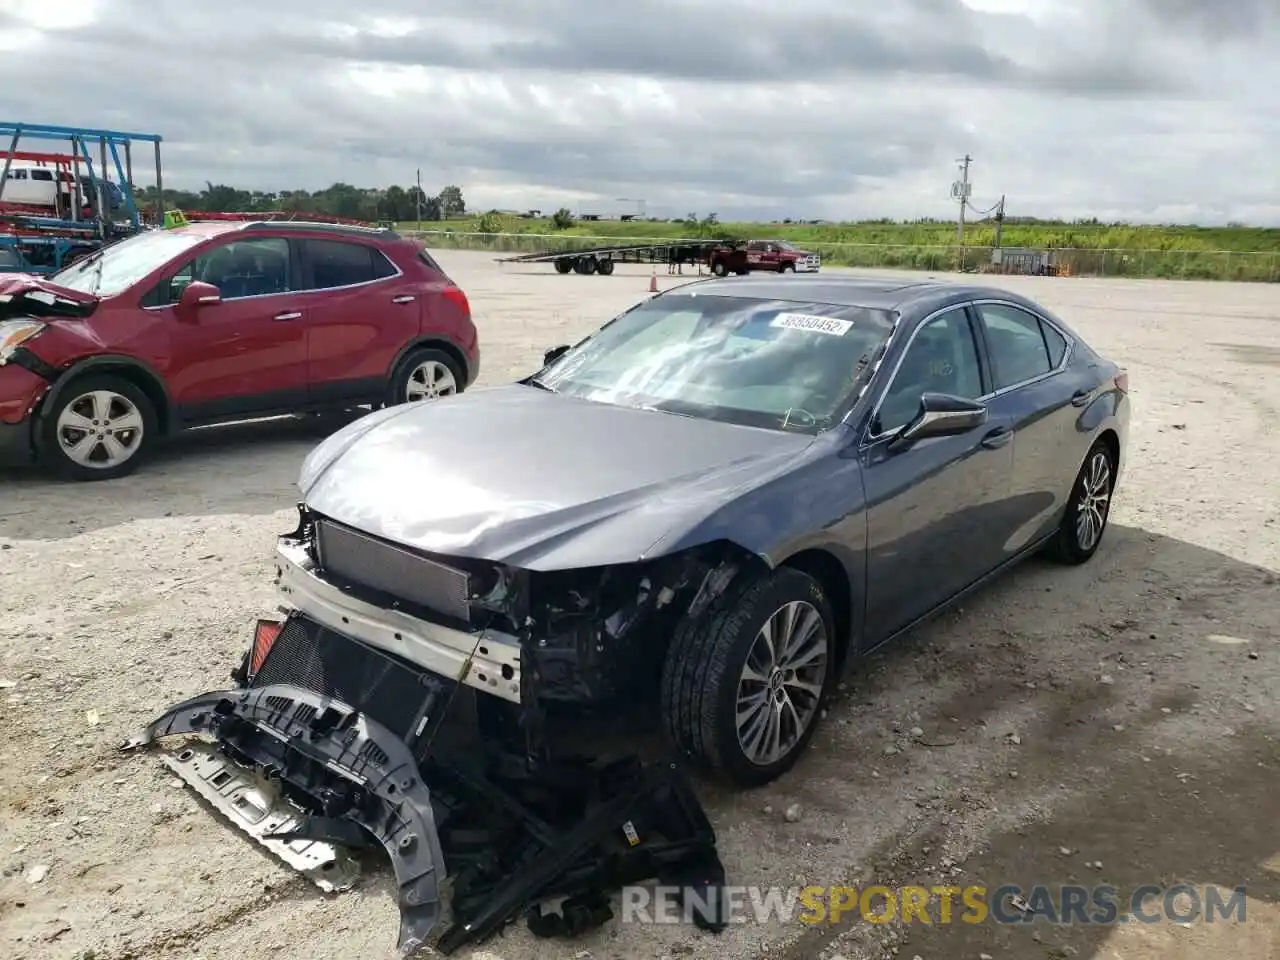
{"x":564,"y":265}
{"x":604,"y":267}
{"x":100,"y":427}
{"x":720,"y":268}
{"x":720,"y":693}
{"x":424,"y":374}
{"x":1085,"y":520}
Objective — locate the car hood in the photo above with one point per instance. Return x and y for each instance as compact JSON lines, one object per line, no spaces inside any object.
{"x":535,"y":479}
{"x":24,"y":295}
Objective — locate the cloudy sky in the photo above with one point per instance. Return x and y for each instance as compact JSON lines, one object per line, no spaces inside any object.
{"x":1122,"y":109}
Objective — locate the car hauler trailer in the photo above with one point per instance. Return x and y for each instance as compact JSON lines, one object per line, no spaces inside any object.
{"x":721,"y":257}
{"x":601,"y":260}
{"x":83,"y":208}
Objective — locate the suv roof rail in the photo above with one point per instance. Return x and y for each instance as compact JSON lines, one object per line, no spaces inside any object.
{"x":322,"y":227}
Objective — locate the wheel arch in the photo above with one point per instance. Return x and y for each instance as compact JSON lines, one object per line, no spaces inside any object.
{"x":1109,"y":437}
{"x":428,"y":342}
{"x":138,"y":372}
{"x":832,"y":575}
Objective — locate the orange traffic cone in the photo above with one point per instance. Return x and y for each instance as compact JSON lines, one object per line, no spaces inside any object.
{"x":653,"y":281}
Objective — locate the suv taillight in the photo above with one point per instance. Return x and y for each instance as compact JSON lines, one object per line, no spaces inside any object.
{"x":458,"y":297}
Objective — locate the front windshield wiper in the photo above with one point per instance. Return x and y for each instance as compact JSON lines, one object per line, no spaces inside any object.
{"x":541,"y":385}
{"x":97,"y":275}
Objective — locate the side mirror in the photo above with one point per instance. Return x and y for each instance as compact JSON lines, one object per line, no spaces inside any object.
{"x":197,"y":294}
{"x":554,"y":354}
{"x":941,"y":415}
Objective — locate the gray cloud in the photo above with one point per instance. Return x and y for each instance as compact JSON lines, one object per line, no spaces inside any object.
{"x":790,"y":108}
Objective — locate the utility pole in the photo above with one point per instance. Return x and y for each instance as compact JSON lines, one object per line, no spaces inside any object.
{"x":999,"y":220}
{"x":418,"y":199}
{"x":963,"y":191}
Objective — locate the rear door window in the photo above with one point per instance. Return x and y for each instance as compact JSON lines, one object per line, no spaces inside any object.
{"x":340,"y":263}
{"x":1021,"y":349}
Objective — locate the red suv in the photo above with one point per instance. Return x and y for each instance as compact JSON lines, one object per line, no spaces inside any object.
{"x":216,"y":322}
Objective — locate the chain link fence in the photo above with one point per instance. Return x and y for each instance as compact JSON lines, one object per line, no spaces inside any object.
{"x":1263,"y":266}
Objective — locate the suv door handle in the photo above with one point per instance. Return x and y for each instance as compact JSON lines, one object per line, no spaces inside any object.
{"x":406,"y":298}
{"x":292,"y":315}
{"x":1081,"y":397}
{"x":997,"y":438}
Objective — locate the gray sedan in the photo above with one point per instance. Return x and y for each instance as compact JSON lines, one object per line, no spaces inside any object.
{"x":714,"y":505}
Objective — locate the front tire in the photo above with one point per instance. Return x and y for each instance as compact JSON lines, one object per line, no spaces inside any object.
{"x":100,"y":427}
{"x":1085,"y":519}
{"x":720,"y":268}
{"x":425,"y":374}
{"x":743,"y":684}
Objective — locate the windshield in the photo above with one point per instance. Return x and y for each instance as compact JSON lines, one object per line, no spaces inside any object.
{"x":783,"y":245}
{"x":779,"y":364}
{"x":120,"y":265}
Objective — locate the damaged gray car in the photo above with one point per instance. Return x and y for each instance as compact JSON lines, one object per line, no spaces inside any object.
{"x":704,"y":512}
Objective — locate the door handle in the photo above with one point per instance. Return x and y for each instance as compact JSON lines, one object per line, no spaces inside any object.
{"x":293,"y":315}
{"x":406,"y":298}
{"x":1081,"y":397}
{"x":997,"y":438}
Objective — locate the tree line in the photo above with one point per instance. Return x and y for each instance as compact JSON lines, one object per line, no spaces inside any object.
{"x":339,"y":200}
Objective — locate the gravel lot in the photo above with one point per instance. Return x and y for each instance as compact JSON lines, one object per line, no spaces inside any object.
{"x":1125,"y":712}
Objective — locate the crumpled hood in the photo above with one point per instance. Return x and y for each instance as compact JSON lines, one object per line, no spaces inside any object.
{"x":538,"y":480}
{"x":25,"y":295}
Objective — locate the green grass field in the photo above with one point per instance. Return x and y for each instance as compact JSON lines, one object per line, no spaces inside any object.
{"x":1083,"y":249}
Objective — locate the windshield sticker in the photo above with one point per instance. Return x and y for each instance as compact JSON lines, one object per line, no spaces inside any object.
{"x":812,"y":323}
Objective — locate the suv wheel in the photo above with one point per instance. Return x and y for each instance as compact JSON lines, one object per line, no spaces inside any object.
{"x":788,"y":266}
{"x":99,"y":428}
{"x":720,"y":268}
{"x":424,"y":374}
{"x":743,"y":684}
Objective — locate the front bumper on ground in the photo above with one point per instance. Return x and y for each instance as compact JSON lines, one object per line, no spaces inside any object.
{"x":362,"y":771}
{"x":487,"y":661}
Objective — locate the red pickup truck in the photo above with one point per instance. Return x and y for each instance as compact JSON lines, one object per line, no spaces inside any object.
{"x":776,"y":256}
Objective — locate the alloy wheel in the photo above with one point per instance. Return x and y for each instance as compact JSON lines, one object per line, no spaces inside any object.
{"x":1094,"y":500}
{"x":100,"y":429}
{"x":429,"y":380}
{"x":780,"y":687}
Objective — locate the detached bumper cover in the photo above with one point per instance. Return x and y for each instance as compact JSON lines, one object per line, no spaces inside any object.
{"x":366,"y":773}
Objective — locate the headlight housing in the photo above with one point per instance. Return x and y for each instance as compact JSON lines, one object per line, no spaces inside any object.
{"x":14,"y":333}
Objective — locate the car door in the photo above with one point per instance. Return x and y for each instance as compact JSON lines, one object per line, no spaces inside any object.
{"x":1031,"y":387}
{"x":755,"y":255}
{"x":931,"y":506}
{"x":361,"y":311}
{"x":246,"y":354}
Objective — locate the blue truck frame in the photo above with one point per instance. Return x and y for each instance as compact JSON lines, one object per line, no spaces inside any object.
{"x":55,"y":242}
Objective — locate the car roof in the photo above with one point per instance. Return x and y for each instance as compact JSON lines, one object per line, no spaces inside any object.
{"x":213,"y":228}
{"x":906,"y":294}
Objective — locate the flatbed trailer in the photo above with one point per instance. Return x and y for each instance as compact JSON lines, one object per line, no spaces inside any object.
{"x":601,"y":260}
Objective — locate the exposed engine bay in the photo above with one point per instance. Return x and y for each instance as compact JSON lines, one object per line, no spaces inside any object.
{"x":336,"y":737}
{"x":593,"y":638}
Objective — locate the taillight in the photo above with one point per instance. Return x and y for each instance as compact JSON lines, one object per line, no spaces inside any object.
{"x":459,"y":298}
{"x":1122,"y":381}
{"x":264,"y":635}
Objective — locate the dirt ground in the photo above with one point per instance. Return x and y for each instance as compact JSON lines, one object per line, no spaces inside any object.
{"x":1126,"y":712}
